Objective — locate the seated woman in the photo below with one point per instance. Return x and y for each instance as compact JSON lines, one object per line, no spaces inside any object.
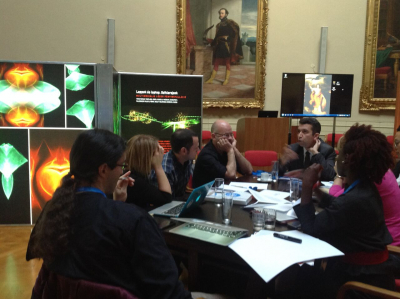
{"x":353,"y":222}
{"x":388,"y":190}
{"x":144,"y":154}
{"x":83,"y":235}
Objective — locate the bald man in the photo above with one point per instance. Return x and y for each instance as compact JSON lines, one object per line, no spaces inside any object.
{"x":220,"y":158}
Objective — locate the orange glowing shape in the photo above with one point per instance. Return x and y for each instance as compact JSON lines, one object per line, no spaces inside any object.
{"x":22,"y":117}
{"x":21,"y":75}
{"x":49,"y":175}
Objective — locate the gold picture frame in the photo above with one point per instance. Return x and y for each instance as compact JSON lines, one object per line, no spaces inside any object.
{"x":367,"y":100}
{"x":261,"y":55}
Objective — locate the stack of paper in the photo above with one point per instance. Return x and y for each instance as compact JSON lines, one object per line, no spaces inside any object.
{"x":269,"y":256}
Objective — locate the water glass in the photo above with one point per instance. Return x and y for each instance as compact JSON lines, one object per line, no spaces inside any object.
{"x":275,"y":171}
{"x":294,"y":189}
{"x":258,"y":220}
{"x":269,"y":218}
{"x":227,"y":203}
{"x":218,"y":191}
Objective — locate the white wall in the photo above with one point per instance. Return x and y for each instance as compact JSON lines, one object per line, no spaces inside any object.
{"x":76,"y":30}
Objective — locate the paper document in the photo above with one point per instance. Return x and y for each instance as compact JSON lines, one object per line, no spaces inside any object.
{"x":270,"y":196}
{"x":269,"y":256}
{"x":239,"y":197}
{"x":259,"y":186}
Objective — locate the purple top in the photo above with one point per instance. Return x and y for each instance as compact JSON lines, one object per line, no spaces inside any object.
{"x":390,"y":194}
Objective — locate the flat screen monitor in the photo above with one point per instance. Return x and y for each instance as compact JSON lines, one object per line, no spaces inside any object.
{"x":316,"y":95}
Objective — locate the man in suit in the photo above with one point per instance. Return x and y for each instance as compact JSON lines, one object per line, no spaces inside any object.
{"x":308,"y":150}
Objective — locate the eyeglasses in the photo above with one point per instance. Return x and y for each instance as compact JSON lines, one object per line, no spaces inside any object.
{"x":226,"y":135}
{"x":123,"y":166}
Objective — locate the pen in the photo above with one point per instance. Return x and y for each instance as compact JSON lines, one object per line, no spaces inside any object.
{"x":287,"y":238}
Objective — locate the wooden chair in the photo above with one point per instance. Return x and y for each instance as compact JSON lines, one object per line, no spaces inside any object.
{"x":369,"y":289}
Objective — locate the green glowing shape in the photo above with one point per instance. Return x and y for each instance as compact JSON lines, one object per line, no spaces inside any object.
{"x":72,"y":68}
{"x":42,"y":97}
{"x":77,"y":81}
{"x":10,"y":161}
{"x":84,"y":111}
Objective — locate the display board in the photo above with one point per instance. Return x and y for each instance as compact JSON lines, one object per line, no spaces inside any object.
{"x":43,"y":107}
{"x":157,"y":105}
{"x":316,"y":95}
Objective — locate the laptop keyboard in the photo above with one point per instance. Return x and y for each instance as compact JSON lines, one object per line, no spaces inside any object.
{"x":220,"y":231}
{"x":175,"y":210}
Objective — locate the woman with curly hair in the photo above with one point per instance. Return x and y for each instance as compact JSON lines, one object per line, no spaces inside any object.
{"x":144,"y":154}
{"x":353,"y":222}
{"x":83,"y":235}
{"x":388,"y":190}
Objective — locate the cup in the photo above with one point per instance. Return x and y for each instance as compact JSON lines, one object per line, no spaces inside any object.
{"x":258,"y":220}
{"x":269,"y":218}
{"x":227,"y":203}
{"x":294,"y":189}
{"x":218,"y":191}
{"x":275,"y":171}
{"x":265,"y":177}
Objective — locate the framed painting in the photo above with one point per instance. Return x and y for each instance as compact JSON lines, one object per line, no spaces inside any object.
{"x":381,"y":56}
{"x":226,"y":42}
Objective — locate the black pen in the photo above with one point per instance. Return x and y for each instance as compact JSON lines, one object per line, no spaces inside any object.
{"x":287,"y":238}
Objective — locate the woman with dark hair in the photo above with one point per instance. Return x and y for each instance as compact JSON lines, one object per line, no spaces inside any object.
{"x":144,"y":154}
{"x":83,"y":235}
{"x":353,"y":222}
{"x":388,"y":190}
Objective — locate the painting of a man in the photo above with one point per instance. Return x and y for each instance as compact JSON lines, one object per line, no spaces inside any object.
{"x":227,"y":45}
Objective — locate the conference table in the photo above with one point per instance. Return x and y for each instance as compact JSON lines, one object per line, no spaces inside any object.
{"x":214,"y":268}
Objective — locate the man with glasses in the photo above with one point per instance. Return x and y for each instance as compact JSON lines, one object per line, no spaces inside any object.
{"x":220,"y":158}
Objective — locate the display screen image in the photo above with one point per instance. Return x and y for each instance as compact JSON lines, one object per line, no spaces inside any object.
{"x":80,"y":94}
{"x":316,"y":95}
{"x":14,"y":172}
{"x":49,"y":163}
{"x":31,"y":95}
{"x":160,"y":104}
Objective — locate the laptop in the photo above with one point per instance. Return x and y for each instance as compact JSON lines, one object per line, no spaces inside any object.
{"x":178,"y":208}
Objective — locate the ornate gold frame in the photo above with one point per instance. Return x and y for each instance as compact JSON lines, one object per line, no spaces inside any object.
{"x":367,"y":100}
{"x":261,"y":56}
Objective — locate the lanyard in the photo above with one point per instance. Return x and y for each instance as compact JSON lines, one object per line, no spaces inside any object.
{"x":351,"y":186}
{"x":90,"y":189}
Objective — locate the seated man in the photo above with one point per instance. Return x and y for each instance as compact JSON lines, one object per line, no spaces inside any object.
{"x":220,"y":158}
{"x":177,"y":163}
{"x":308,"y":150}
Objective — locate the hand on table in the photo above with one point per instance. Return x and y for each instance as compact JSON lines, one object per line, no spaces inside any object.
{"x":298,"y":173}
{"x":124,"y":181}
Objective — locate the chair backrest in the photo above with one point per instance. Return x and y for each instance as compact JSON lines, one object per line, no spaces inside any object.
{"x":261,"y":158}
{"x":390,"y":139}
{"x":234,"y":134}
{"x":50,"y":285}
{"x":205,"y":137}
{"x":328,"y":138}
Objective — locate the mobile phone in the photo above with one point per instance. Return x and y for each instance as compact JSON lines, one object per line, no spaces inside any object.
{"x":294,"y":224}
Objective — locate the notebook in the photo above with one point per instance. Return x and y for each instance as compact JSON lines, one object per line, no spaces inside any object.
{"x":178,"y":208}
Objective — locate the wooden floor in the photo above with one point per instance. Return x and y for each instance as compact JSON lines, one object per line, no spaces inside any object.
{"x":17,"y":276}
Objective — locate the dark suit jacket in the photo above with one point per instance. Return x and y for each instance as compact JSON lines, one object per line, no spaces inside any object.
{"x":325,"y":157}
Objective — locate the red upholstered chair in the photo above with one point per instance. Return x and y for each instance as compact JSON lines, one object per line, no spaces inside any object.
{"x":390,"y":139}
{"x":50,"y":285}
{"x":205,"y":137}
{"x":328,"y":138}
{"x":383,"y":73}
{"x":234,"y":134}
{"x":261,"y":160}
